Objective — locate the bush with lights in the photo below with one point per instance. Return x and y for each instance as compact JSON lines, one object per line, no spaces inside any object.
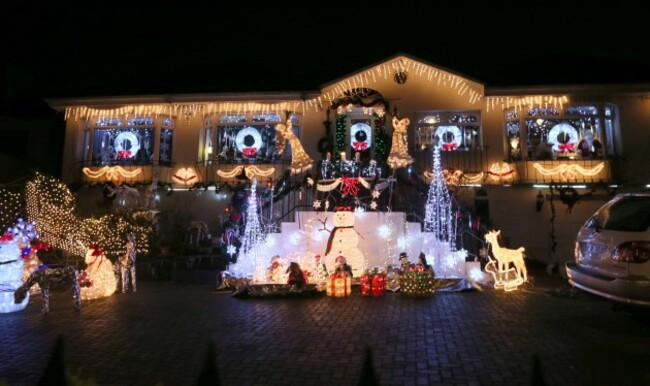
{"x":417,"y":281}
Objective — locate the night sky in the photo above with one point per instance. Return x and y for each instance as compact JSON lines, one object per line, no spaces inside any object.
{"x":65,"y":50}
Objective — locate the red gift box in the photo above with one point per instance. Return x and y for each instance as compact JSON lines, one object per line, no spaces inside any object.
{"x":373,"y":284}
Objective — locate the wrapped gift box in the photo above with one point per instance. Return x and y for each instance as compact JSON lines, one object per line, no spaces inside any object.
{"x":373,"y":284}
{"x":339,"y":285}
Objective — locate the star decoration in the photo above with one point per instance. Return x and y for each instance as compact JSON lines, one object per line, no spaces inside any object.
{"x":375,"y":193}
{"x":316,"y":204}
{"x":231,"y":249}
{"x":373,"y":205}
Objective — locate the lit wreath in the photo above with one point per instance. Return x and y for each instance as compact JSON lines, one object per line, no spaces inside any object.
{"x":456,"y":137}
{"x":249,"y":151}
{"x":570,"y":132}
{"x":121,"y":150}
{"x":360,"y":134}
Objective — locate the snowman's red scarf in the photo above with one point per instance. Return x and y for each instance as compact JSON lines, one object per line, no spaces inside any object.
{"x":330,"y":241}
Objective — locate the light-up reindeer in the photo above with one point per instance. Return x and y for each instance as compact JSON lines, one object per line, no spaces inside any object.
{"x":504,"y":257}
{"x":126,"y":264}
{"x":53,"y":276}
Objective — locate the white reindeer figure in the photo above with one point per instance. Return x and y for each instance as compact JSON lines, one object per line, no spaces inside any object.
{"x":504,"y":257}
{"x":125,"y":264}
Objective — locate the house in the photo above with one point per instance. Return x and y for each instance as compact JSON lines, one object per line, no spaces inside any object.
{"x":530,"y":161}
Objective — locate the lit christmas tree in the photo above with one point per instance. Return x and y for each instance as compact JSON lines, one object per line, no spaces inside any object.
{"x":440,"y":226}
{"x":249,"y":262}
{"x":438,"y":211}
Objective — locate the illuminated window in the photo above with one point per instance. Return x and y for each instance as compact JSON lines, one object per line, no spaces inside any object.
{"x":574,"y":133}
{"x":610,"y":132}
{"x":233,"y":138}
{"x":122,"y":141}
{"x":166,"y":146}
{"x":451,"y":130}
{"x":513,"y":135}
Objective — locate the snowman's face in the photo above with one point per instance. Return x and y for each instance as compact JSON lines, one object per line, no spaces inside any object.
{"x":9,"y":250}
{"x":344,"y":219}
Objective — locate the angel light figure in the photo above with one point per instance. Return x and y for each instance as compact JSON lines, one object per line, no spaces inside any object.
{"x":300,"y":160}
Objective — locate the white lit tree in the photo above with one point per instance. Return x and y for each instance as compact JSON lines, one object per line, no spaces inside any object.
{"x":438,"y":211}
{"x":250,"y":261}
{"x":440,"y":226}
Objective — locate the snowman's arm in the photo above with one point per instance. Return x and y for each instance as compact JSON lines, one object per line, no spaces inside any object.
{"x":324,"y":222}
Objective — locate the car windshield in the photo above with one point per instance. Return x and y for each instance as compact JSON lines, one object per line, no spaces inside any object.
{"x":630,"y":214}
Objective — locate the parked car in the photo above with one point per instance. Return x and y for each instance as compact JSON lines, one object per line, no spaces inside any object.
{"x":612,"y":251}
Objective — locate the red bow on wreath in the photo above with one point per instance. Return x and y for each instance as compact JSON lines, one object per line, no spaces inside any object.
{"x":360,"y":146}
{"x":565,"y":147}
{"x":250,"y":151}
{"x":449,"y":146}
{"x":123,"y":154}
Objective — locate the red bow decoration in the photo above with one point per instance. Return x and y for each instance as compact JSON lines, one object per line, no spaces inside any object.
{"x":84,"y":280}
{"x":501,"y":174}
{"x":96,"y":250}
{"x":41,"y":246}
{"x":360,"y":146}
{"x":7,"y":237}
{"x":565,"y":147}
{"x":349,"y":186}
{"x":184,"y":179}
{"x":449,"y":146}
{"x":250,"y":151}
{"x":124,"y":154}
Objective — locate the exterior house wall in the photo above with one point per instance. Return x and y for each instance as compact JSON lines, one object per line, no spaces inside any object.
{"x":634,"y":140}
{"x":512,"y":208}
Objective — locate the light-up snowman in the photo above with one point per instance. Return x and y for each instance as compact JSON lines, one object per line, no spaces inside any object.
{"x":11,"y":272}
{"x":344,"y":241}
{"x":99,"y":271}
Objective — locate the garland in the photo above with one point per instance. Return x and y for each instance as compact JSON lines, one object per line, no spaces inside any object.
{"x":339,"y":135}
{"x":381,"y":139}
{"x":358,"y":101}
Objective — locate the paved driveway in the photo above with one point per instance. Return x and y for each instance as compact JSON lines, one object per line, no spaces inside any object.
{"x":160,"y":335}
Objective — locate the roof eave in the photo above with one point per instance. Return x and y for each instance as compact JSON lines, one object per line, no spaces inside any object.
{"x":396,"y":56}
{"x":60,"y":104}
